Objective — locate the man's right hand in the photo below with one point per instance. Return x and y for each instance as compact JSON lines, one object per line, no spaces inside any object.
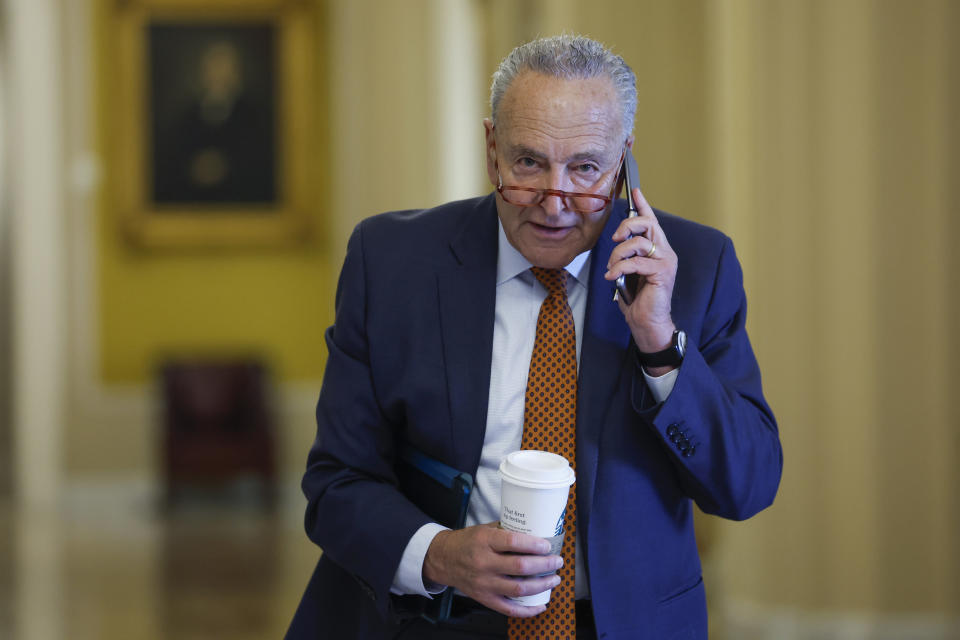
{"x":491,"y":565}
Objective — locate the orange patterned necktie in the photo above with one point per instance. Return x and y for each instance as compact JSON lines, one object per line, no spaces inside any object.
{"x":549,"y":424}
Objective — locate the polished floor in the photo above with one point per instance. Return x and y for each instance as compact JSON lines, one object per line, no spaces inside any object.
{"x":111,"y":565}
{"x":106,"y":569}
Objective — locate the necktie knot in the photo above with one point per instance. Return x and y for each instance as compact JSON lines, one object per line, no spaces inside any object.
{"x":553,"y":280}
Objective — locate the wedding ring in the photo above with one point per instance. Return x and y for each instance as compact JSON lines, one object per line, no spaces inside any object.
{"x":653,"y":250}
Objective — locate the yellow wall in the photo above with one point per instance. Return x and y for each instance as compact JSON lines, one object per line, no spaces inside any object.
{"x":274,"y":303}
{"x":377,"y":117}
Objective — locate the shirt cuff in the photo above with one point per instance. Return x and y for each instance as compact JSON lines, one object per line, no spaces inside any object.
{"x":661,"y":386}
{"x":409,"y":577}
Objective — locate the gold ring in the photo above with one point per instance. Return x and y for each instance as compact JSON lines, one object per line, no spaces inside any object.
{"x":653,"y":250}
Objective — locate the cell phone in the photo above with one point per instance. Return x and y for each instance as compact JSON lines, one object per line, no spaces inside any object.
{"x":627,"y":284}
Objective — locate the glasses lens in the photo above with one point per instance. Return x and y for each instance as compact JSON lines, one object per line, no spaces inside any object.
{"x":586,"y":204}
{"x":521,"y":197}
{"x":581,"y":203}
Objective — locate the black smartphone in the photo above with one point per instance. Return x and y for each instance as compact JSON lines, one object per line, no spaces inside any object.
{"x":627,"y":284}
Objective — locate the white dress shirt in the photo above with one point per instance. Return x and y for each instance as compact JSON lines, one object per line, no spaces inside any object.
{"x":519,"y":296}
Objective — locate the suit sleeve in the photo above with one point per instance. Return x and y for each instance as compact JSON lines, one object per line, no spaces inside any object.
{"x":355,"y":512}
{"x":715,"y":424}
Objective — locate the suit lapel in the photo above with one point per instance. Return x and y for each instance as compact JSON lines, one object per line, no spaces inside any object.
{"x":467,"y":297}
{"x":605,"y":340}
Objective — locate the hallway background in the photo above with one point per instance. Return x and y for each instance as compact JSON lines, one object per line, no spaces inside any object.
{"x":820,"y":135}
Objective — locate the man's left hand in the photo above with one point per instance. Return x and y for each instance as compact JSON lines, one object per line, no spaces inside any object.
{"x":644,"y":250}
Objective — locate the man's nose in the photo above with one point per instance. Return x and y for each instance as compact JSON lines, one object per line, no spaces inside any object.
{"x":553,"y":205}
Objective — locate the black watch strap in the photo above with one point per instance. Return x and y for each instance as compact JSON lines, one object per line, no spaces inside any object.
{"x":672,"y":356}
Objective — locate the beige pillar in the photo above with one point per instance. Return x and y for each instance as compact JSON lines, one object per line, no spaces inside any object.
{"x":834,"y":151}
{"x":38,"y":306}
{"x":36,"y":205}
{"x":6,"y":380}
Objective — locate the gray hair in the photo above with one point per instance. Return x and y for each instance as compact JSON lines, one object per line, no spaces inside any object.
{"x":568,"y":57}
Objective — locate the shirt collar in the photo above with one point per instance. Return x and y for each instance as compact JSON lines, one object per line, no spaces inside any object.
{"x":511,"y":263}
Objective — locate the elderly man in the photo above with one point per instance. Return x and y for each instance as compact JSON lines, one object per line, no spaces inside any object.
{"x":455,"y":326}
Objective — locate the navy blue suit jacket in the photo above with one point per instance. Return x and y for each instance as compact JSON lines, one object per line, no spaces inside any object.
{"x":409,"y":361}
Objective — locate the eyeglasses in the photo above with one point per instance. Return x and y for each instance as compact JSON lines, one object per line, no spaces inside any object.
{"x":582,"y":203}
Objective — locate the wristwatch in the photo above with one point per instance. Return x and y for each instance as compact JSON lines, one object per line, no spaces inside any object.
{"x":672,"y":356}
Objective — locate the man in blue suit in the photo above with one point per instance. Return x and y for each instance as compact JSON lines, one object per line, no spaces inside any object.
{"x":436,"y":313}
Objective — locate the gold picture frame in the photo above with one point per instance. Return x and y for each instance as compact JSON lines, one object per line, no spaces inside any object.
{"x":213,"y":121}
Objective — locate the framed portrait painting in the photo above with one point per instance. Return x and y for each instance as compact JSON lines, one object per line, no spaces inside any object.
{"x":214,"y":126}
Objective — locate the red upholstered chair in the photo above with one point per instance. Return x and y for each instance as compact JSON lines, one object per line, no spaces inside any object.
{"x":217,"y":425}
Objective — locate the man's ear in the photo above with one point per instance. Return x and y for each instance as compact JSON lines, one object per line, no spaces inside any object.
{"x":491,"y":147}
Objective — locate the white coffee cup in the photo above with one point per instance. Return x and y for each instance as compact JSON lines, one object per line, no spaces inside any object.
{"x":534,"y":486}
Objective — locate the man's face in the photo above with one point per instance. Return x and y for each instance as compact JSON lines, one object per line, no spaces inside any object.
{"x":554,"y":134}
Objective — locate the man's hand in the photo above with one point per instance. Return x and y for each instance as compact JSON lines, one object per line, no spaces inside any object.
{"x":645,"y":251}
{"x":490,"y":564}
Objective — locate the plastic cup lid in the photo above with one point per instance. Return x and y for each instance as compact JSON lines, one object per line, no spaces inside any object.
{"x":537,"y":469}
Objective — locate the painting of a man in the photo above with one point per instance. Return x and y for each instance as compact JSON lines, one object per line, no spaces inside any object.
{"x":212,"y":93}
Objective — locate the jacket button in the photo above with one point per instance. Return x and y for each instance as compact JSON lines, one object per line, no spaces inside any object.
{"x":684,"y":446}
{"x":672,"y":429}
{"x":689,"y":452}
